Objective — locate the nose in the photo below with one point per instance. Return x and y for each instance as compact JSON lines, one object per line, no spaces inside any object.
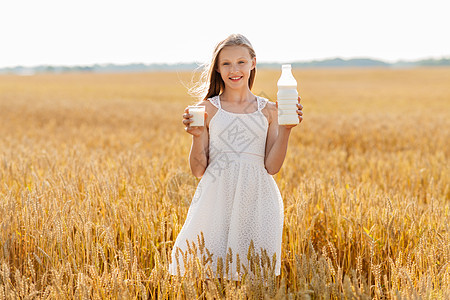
{"x":234,"y":68}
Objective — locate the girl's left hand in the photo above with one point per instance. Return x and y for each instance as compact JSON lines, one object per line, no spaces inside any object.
{"x":299,"y":112}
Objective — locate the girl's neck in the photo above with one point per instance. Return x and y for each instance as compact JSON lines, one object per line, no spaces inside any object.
{"x":237,"y":96}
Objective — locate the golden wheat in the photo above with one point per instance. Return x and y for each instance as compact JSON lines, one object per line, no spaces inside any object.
{"x":95,"y":186}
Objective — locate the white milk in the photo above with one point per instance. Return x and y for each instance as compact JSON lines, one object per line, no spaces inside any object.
{"x":198,"y":115}
{"x":287,"y":109}
{"x":287,"y":97}
{"x":288,"y":119}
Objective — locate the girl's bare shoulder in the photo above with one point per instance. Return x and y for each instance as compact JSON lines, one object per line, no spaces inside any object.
{"x":270,"y":110}
{"x":271,"y":106}
{"x":208,"y":106}
{"x":210,"y":109}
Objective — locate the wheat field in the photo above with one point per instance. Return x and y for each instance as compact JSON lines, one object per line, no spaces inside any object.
{"x":95,"y":186}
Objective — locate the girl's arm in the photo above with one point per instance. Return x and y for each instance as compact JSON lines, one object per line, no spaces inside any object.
{"x":277,"y":140}
{"x":198,"y":157}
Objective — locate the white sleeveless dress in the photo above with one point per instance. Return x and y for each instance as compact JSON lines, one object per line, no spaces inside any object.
{"x":236,"y":200}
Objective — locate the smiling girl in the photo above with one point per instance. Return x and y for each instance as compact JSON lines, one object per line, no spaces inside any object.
{"x":237,"y":202}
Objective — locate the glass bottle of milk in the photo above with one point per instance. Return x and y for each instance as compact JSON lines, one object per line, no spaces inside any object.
{"x":287,"y":97}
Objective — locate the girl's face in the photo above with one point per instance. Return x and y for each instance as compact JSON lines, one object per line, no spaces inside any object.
{"x":234,"y":66}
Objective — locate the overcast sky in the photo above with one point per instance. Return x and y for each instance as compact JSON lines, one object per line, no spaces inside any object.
{"x":96,"y":31}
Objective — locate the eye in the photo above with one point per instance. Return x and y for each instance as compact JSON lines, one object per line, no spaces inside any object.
{"x":225,"y":64}
{"x":242,"y":62}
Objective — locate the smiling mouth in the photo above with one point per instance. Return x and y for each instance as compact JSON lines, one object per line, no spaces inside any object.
{"x":235,"y":78}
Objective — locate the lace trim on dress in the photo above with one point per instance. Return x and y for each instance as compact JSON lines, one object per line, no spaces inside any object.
{"x":261,"y":102}
{"x":215,"y":101}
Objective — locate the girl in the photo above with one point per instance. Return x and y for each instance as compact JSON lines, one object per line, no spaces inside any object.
{"x":237,"y":201}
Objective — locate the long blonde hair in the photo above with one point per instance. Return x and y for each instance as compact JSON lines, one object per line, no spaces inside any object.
{"x":211,"y":83}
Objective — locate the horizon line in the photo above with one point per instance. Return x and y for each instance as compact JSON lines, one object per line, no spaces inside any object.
{"x":401,"y":60}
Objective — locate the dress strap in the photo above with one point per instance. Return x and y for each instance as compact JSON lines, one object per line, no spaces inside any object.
{"x":215,"y":101}
{"x":261,"y":102}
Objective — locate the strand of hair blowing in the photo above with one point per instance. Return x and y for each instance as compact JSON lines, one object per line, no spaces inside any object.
{"x":211,"y":83}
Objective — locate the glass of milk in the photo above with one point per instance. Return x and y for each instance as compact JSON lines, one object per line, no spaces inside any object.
{"x":198,"y":115}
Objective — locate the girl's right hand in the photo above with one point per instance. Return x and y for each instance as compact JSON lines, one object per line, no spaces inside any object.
{"x":187,"y":119}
